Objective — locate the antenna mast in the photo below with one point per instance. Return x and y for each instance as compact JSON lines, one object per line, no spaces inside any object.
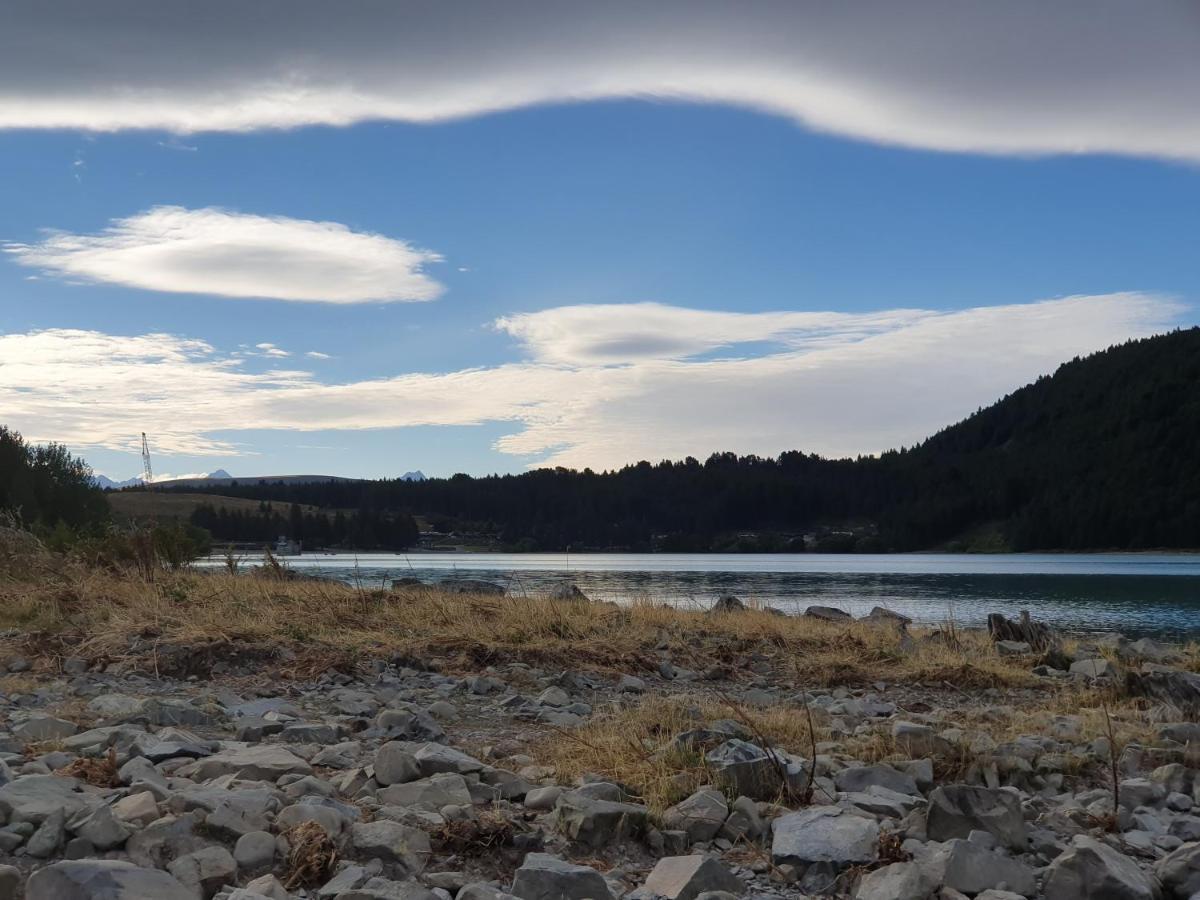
{"x":147,"y":472}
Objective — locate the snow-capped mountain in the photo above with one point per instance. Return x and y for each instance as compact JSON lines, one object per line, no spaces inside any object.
{"x":413,"y":476}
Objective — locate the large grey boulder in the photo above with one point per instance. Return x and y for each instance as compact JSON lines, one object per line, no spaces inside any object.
{"x":701,"y":815}
{"x":899,"y":881}
{"x":748,"y":769}
{"x":31,"y":798}
{"x":1179,"y":871}
{"x":410,"y":725}
{"x":970,"y":868}
{"x":446,"y":789}
{"x":546,"y":877}
{"x":43,"y":728}
{"x":264,"y":762}
{"x":955,"y":810}
{"x":597,"y":823}
{"x":436,"y":758}
{"x":206,"y":871}
{"x":103,"y":879}
{"x":103,"y":829}
{"x":686,"y":877}
{"x":828,"y":614}
{"x":824,"y":834}
{"x":391,"y":842}
{"x":1090,"y":870}
{"x":860,"y":778}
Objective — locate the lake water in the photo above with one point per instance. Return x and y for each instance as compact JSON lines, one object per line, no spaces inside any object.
{"x":1133,"y":593}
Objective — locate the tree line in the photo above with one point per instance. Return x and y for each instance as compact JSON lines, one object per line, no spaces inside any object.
{"x":1098,"y":455}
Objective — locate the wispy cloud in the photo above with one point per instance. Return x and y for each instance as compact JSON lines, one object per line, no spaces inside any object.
{"x":1020,"y":76}
{"x":230,"y":254}
{"x":844,"y":385}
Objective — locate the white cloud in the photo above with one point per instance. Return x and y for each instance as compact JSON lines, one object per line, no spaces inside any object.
{"x":1020,"y":76}
{"x":848,"y":384}
{"x":615,"y":333}
{"x":317,"y":354}
{"x":229,"y":254}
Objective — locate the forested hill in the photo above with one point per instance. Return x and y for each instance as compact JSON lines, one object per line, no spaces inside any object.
{"x":1102,"y":454}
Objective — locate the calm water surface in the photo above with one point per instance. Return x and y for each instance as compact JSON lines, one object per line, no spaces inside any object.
{"x":1132,"y":593}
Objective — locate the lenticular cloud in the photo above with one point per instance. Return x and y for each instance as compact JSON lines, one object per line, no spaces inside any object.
{"x":1019,"y":76}
{"x":230,"y":254}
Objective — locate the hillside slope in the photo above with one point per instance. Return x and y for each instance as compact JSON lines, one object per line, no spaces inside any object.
{"x":1099,"y":455}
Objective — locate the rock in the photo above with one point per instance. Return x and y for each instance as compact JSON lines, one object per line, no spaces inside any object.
{"x":913,"y":739}
{"x":631,"y":684}
{"x":43,"y":728}
{"x":394,"y":764}
{"x":598,"y":823}
{"x":1090,"y":870}
{"x":1172,"y":686}
{"x":701,"y":815}
{"x":470,"y":586}
{"x":255,"y":851}
{"x":10,"y":882}
{"x":1098,"y":667}
{"x":1179,"y":871}
{"x":545,"y":877}
{"x":824,"y":834}
{"x":31,"y":798}
{"x":554,"y":696}
{"x":860,"y":778}
{"x":970,"y":868}
{"x":410,"y":725}
{"x":391,"y":842}
{"x":568,"y":591}
{"x":828,"y":614}
{"x":158,"y":711}
{"x":882,"y":616}
{"x":206,"y":871}
{"x":744,"y":822}
{"x":103,"y":879}
{"x":264,"y":762}
{"x":746,"y":768}
{"x":543,"y":798}
{"x":49,"y":836}
{"x":686,"y":877}
{"x":446,"y":789}
{"x":437,"y":758}
{"x":955,"y":810}
{"x":726,"y":604}
{"x":1013,"y":648}
{"x":140,"y":808}
{"x":103,"y":829}
{"x":899,"y":881}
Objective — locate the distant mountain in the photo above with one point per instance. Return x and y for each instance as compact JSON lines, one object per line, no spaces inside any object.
{"x":413,"y":476}
{"x":107,"y":484}
{"x":221,"y":477}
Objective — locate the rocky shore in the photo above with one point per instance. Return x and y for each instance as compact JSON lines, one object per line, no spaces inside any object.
{"x":690,"y":776}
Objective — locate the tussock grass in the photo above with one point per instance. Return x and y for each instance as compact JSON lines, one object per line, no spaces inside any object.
{"x":633,"y":746}
{"x":102,"y":614}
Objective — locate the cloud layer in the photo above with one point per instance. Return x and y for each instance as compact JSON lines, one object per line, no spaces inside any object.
{"x":229,"y":254}
{"x":843,"y":385}
{"x":1022,"y":76}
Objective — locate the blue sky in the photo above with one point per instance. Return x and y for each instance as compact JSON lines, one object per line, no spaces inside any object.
{"x":615,"y":279}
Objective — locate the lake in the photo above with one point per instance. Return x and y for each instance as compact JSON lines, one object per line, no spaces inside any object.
{"x":1143,"y":593}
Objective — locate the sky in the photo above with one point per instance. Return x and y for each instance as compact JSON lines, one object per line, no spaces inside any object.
{"x":364,"y":238}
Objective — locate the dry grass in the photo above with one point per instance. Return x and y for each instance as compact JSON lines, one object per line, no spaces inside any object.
{"x":633,"y":746}
{"x":100,"y":615}
{"x":312,"y":855}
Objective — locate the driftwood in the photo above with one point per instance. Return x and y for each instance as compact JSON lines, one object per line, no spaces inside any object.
{"x":1037,"y":635}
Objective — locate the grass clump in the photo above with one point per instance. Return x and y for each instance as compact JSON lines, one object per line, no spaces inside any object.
{"x":635,"y":746}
